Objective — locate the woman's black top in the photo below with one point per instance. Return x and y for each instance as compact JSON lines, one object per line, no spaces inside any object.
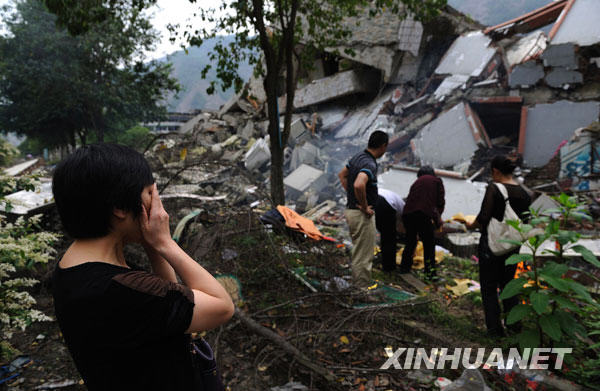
{"x":493,"y":204}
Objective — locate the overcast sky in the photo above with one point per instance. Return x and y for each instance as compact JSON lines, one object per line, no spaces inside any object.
{"x":165,"y":12}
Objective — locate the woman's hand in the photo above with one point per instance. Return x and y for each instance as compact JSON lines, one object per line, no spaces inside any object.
{"x":154,"y":223}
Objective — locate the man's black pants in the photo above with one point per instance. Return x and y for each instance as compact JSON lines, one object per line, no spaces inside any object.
{"x":493,"y":276}
{"x":385,"y":222}
{"x":418,"y":223}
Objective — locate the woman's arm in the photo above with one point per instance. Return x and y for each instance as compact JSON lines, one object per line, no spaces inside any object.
{"x":487,"y":209}
{"x":213,"y":306}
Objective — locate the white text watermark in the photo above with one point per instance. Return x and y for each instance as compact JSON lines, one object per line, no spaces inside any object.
{"x":439,"y":358}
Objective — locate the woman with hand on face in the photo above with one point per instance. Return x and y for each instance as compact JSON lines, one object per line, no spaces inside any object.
{"x":493,"y":273}
{"x":127,"y":329}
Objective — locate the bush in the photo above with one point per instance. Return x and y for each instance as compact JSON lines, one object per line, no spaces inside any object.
{"x":551,"y":303}
{"x":7,"y":152}
{"x":23,"y":245}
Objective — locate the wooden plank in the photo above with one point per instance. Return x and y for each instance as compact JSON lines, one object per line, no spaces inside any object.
{"x":413,"y":281}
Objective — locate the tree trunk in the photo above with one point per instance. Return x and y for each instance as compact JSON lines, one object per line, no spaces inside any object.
{"x":277,"y":190}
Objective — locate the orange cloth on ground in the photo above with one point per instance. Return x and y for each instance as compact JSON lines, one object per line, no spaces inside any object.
{"x":299,"y":223}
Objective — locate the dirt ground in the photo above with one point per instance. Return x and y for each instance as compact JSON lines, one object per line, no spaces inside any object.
{"x":339,"y":331}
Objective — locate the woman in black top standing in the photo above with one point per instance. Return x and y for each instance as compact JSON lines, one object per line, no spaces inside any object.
{"x":493,"y":273}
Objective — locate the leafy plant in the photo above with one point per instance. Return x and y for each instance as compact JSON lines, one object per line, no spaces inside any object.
{"x":7,"y":152}
{"x":23,"y":245}
{"x":550,"y":301}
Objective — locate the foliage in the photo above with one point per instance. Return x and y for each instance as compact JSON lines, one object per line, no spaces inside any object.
{"x":137,"y":137}
{"x":60,"y":88}
{"x":587,"y":372}
{"x":7,"y":152}
{"x":23,"y":245}
{"x":551,"y":301}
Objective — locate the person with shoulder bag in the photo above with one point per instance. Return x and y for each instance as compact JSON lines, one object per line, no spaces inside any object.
{"x":505,"y":199}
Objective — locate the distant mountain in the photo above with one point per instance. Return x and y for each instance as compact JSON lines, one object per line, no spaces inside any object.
{"x":187,"y":68}
{"x":493,"y":12}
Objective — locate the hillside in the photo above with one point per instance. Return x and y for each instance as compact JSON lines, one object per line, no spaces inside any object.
{"x":187,"y":69}
{"x":492,"y":12}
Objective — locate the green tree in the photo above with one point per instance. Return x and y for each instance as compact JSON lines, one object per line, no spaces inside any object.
{"x":279,"y":36}
{"x":59,"y":88}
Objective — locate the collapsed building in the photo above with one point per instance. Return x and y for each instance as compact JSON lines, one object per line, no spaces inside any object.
{"x":448,"y":92}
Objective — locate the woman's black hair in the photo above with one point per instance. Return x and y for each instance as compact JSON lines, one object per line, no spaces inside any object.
{"x":425,"y":170}
{"x":95,"y":179}
{"x":503,"y":164}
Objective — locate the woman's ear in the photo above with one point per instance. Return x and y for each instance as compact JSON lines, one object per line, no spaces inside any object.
{"x":119,"y":213}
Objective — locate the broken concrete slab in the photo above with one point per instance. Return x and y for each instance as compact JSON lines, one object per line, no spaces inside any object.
{"x":468,"y":55}
{"x":298,"y":132}
{"x":560,"y":56}
{"x":331,"y":118}
{"x":527,"y":47}
{"x":247,"y":131}
{"x":258,"y":154}
{"x":462,"y":196}
{"x":190,"y":124}
{"x":21,"y":168}
{"x":580,"y":24}
{"x":306,"y":153}
{"x":26,"y":202}
{"x":549,"y":125}
{"x":333,"y":87}
{"x":526,"y":75}
{"x":359,"y":121}
{"x":451,"y":139}
{"x":410,"y":35}
{"x":563,"y":78}
{"x":408,"y":70}
{"x":304,"y":178}
{"x":450,"y":84}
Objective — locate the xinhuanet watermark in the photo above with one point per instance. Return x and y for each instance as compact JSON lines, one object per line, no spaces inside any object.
{"x":439,"y":358}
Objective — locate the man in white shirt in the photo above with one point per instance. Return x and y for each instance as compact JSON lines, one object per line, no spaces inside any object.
{"x":387,"y":212}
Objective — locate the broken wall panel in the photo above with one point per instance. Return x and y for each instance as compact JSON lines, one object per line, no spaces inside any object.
{"x":563,"y":78}
{"x":359,"y":121}
{"x":462,"y":196}
{"x":562,"y":55}
{"x":410,"y":35}
{"x":333,"y":87}
{"x":468,"y":55}
{"x":525,"y":48}
{"x":526,"y":75}
{"x":579,"y":24}
{"x":305,"y":178}
{"x":451,"y":139}
{"x":549,"y":125}
{"x":450,"y":84}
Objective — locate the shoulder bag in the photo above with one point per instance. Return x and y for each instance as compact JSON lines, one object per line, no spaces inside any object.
{"x":207,"y":376}
{"x":498,"y":230}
